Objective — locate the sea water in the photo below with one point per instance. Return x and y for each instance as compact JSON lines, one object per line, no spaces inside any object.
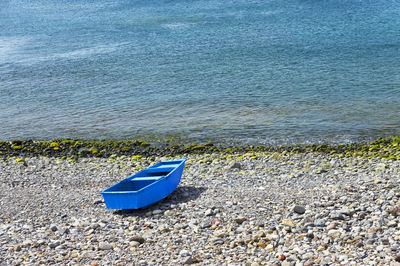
{"x":252,"y":71}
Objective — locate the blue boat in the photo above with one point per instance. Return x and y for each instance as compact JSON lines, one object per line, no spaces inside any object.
{"x":146,"y":187}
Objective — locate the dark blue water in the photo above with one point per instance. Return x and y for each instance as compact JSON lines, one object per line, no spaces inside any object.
{"x":249,"y":71}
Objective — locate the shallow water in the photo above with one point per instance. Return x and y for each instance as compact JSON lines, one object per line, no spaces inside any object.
{"x":247,"y":71}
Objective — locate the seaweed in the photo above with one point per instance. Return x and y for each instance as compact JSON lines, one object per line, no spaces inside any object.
{"x":72,"y":149}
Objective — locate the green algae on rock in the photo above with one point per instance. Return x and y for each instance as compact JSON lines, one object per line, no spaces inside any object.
{"x":388,"y":148}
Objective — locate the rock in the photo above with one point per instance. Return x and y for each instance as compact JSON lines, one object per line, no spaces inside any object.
{"x":331,"y":226}
{"x":53,"y":227}
{"x":168,"y":213}
{"x":395,"y":211}
{"x":163,"y":229}
{"x":64,"y":231}
{"x":217,"y":241}
{"x":240,"y":219}
{"x":54,"y":244}
{"x":261,"y":245}
{"x":299,"y":209}
{"x":139,"y":239}
{"x":287,"y":222}
{"x":216,"y":222}
{"x":184,"y":253}
{"x":187,"y":260}
{"x":105,"y":246}
{"x":343,"y":257}
{"x":120,"y":232}
{"x":320,"y":222}
{"x":334,"y":233}
{"x":205,"y":224}
{"x":196,"y":259}
{"x":269,"y":248}
{"x":142,"y":263}
{"x":337,"y":216}
{"x":155,"y":212}
{"x":134,"y":243}
{"x":345,"y":211}
{"x":209,"y":212}
{"x":89,"y":255}
{"x":272,"y":237}
{"x":236,"y":165}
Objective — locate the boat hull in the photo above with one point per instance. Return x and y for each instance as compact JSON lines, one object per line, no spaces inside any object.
{"x":146,"y":187}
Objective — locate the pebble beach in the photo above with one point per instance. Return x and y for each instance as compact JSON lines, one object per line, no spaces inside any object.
{"x":238,"y":209}
{"x":286,"y":111}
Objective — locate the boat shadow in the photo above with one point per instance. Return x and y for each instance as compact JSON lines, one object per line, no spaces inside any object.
{"x":182,"y":194}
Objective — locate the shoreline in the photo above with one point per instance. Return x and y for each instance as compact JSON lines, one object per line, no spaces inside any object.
{"x":272,"y":208}
{"x":71,"y":149}
{"x":388,"y":147}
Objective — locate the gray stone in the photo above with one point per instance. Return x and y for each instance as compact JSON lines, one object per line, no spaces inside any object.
{"x":168,"y":213}
{"x":155,"y":212}
{"x":64,"y":231}
{"x":139,"y":239}
{"x":53,"y":227}
{"x":320,"y":222}
{"x":240,"y":219}
{"x":184,"y":253}
{"x":299,"y":209}
{"x":134,"y":243}
{"x":331,"y":226}
{"x":54,"y":244}
{"x":187,"y":260}
{"x":337,"y":216}
{"x":236,"y":165}
{"x":209,"y":212}
{"x":105,"y":246}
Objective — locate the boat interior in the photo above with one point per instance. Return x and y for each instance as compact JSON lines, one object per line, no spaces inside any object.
{"x":145,"y":177}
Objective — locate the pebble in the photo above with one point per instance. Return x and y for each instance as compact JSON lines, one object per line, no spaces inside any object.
{"x":331,"y":226}
{"x":168,"y":213}
{"x":299,"y":209}
{"x":138,"y":239}
{"x":187,"y":260}
{"x":236,"y":165}
{"x":53,"y":227}
{"x":208,"y":212}
{"x":240,"y":219}
{"x":320,"y":222}
{"x":155,"y":212}
{"x":134,"y":243}
{"x":105,"y":246}
{"x":287,"y":222}
{"x":217,"y":214}
{"x":184,"y":253}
